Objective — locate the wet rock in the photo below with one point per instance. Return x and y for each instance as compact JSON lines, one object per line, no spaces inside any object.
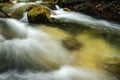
{"x":31,"y":7}
{"x":26,"y":0}
{"x":72,"y":44}
{"x":39,"y":14}
{"x":3,"y":11}
{"x":3,"y":15}
{"x":6,"y":7}
{"x":17,"y":13}
{"x":14,"y":11}
{"x":66,"y":9}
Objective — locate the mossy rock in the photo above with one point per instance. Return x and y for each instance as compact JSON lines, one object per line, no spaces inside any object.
{"x":38,"y":14}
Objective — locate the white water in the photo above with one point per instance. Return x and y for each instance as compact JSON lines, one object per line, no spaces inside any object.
{"x":25,"y":18}
{"x":14,"y":1}
{"x":64,"y":73}
{"x":37,"y":50}
{"x":80,"y":18}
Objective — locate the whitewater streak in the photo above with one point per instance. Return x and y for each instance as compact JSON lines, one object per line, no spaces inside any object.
{"x":86,"y":20}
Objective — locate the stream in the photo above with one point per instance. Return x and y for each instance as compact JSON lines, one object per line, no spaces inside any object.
{"x":53,"y":52}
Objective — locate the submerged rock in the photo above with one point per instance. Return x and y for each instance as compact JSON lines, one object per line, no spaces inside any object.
{"x":38,"y":14}
{"x":113,"y":65}
{"x":71,"y":44}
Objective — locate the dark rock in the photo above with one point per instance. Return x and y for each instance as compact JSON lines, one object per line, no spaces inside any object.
{"x":4,"y":0}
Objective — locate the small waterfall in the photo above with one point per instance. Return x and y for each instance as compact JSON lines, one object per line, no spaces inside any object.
{"x":25,"y":18}
{"x":57,"y":7}
{"x":14,"y":29}
{"x":36,"y":51}
{"x":80,"y":18}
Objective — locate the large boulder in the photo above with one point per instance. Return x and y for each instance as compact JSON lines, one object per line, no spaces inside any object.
{"x":38,"y":14}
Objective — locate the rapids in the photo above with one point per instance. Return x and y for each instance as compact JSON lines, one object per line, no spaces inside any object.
{"x":37,"y":52}
{"x":25,"y":46}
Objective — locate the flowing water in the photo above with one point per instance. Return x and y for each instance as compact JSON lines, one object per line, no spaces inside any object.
{"x":80,"y":18}
{"x":30,"y":52}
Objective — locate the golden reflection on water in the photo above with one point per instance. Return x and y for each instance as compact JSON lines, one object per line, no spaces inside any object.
{"x":92,"y":54}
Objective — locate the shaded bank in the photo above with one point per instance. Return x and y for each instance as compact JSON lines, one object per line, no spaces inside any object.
{"x":105,"y":9}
